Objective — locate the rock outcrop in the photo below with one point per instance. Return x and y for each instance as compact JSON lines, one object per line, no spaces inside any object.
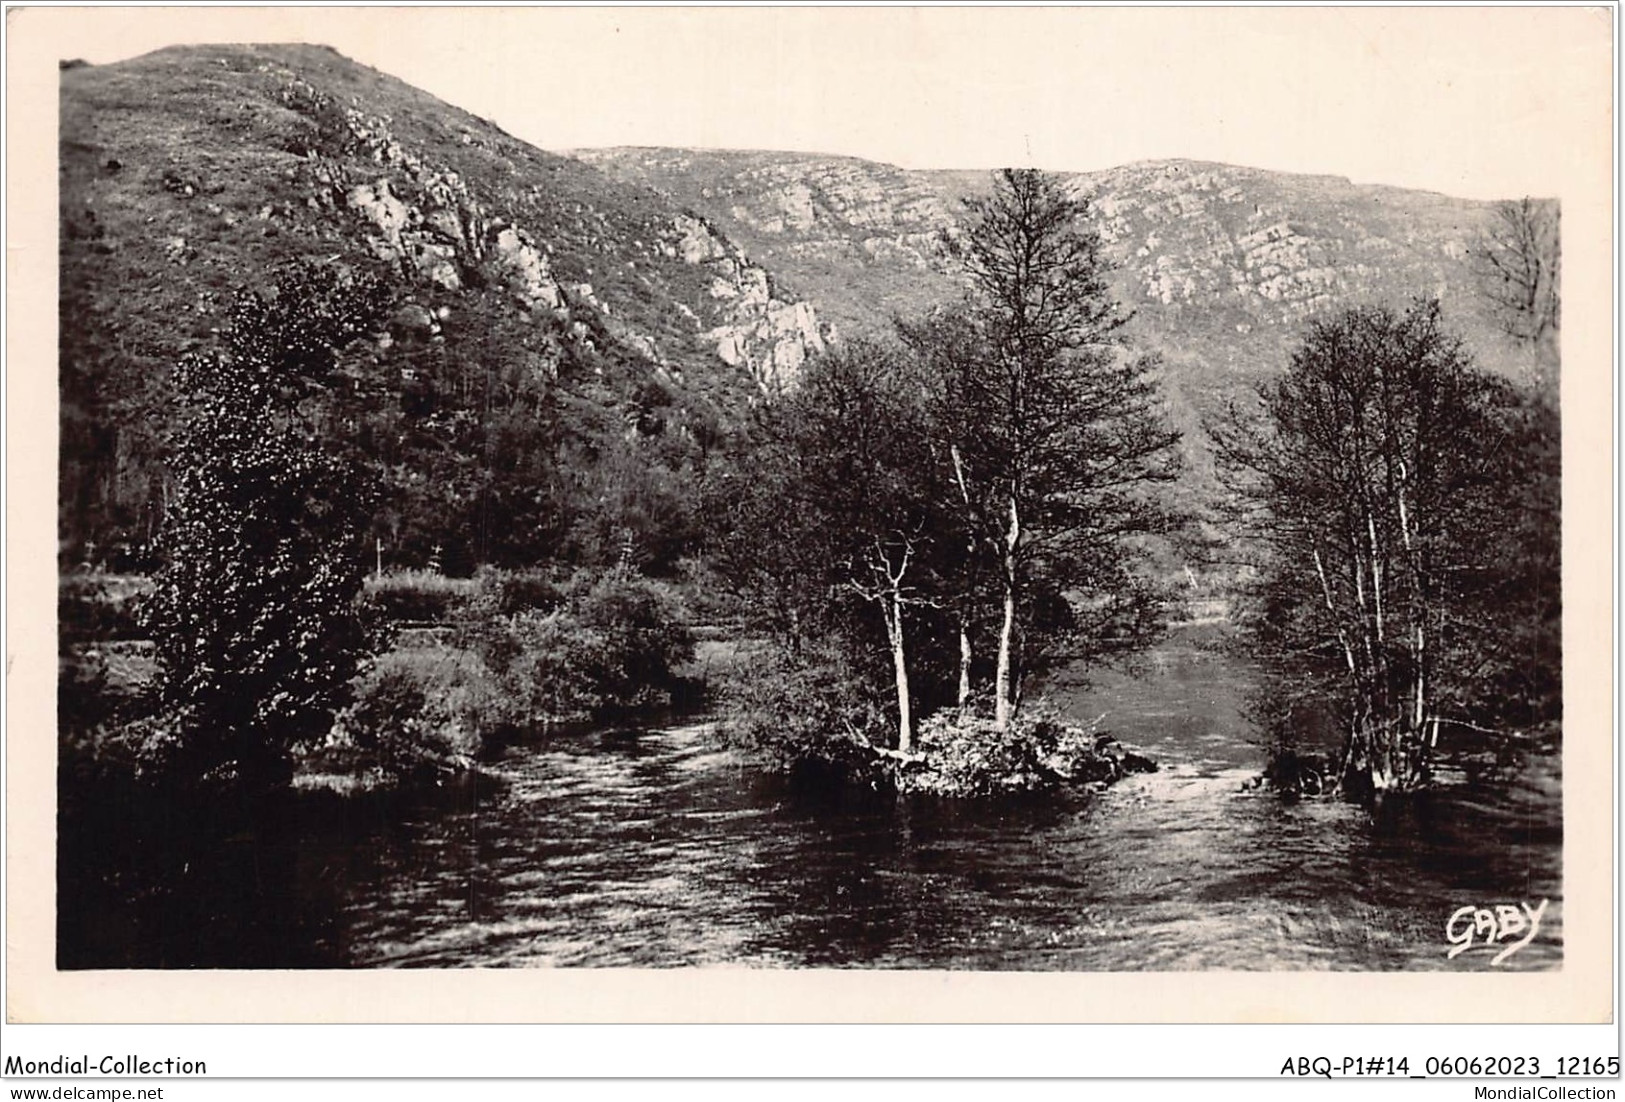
{"x":1220,"y":265}
{"x":754,"y":327}
{"x":812,"y":221}
{"x":424,"y":220}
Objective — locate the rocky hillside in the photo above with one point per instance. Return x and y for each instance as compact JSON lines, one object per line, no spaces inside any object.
{"x":190,"y":172}
{"x":559,"y":317}
{"x":1221,"y":265}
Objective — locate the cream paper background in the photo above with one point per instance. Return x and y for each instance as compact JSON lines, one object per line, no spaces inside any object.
{"x":36,"y":992}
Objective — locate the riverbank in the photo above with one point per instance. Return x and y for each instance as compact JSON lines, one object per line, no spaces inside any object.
{"x":467,"y":666}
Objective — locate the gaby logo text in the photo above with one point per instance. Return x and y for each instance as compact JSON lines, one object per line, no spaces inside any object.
{"x":1510,"y":925}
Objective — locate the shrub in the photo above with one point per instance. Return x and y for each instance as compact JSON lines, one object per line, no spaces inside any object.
{"x":969,"y":757}
{"x":99,"y":607}
{"x":612,"y":645}
{"x":520,"y":590}
{"x":643,"y":640}
{"x":807,"y":715}
{"x":82,"y":696}
{"x":554,"y":670}
{"x":420,"y":596}
{"x":431,"y":709}
{"x":1295,"y":774}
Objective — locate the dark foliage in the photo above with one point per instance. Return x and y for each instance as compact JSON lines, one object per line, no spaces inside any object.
{"x":1402,"y":504}
{"x":606,"y":644}
{"x":835,"y":531}
{"x":254,"y":610}
{"x":418,"y":596}
{"x":921,"y":517}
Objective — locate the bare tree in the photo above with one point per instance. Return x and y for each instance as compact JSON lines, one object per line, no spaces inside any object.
{"x":1519,"y":265}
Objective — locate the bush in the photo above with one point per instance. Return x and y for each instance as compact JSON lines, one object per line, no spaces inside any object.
{"x":968,"y":757}
{"x":612,"y":645}
{"x":83,"y":698}
{"x":1293,"y":774}
{"x":97,"y":607}
{"x":512,"y":591}
{"x":554,"y":669}
{"x":644,"y":640}
{"x":427,"y":710}
{"x":808,"y":715}
{"x":418,"y":596}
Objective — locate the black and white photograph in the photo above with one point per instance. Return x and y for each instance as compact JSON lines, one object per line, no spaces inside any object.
{"x":874,"y":490}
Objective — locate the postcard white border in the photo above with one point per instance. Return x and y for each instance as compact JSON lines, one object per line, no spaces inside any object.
{"x":36,"y":992}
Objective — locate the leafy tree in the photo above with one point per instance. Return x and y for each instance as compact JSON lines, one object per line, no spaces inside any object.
{"x":1057,"y":433}
{"x":866,"y":473}
{"x":1379,"y":480}
{"x":838,"y":522}
{"x":254,"y":610}
{"x":946,"y":344}
{"x":991,"y":472}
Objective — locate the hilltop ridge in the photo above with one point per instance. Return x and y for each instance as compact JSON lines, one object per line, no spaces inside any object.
{"x":1222,"y":267}
{"x":664,"y":288}
{"x":1242,"y":246}
{"x":194,"y":170}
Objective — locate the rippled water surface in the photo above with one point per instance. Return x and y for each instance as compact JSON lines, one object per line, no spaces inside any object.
{"x":656,"y":847}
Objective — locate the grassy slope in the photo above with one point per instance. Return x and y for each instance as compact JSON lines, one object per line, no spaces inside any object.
{"x":216,"y":118}
{"x":193,"y":170}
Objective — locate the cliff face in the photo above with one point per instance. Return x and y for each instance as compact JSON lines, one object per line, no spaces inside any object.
{"x":192,"y":172}
{"x":203,"y":161}
{"x":1221,"y":265}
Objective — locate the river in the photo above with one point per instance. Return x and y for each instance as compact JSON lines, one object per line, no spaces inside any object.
{"x":658,"y":847}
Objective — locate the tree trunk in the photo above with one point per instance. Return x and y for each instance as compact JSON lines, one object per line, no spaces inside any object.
{"x":970,"y":563}
{"x":964,"y":664}
{"x":1005,"y":705}
{"x":894,"y":632}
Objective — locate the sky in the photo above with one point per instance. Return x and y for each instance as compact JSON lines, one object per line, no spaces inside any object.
{"x":1475,"y":102}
